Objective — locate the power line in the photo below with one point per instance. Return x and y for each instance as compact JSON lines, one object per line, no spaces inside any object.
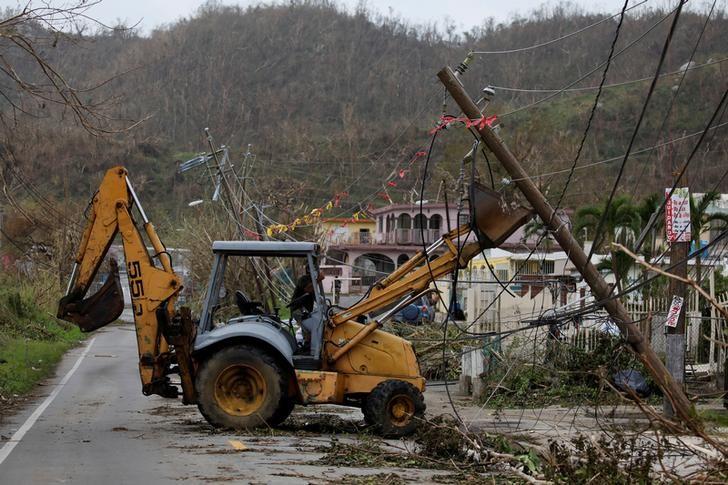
{"x":685,"y":166}
{"x":663,"y":54}
{"x":545,"y":234}
{"x":679,"y":86}
{"x":588,"y":164}
{"x":614,"y":85}
{"x":581,"y":78}
{"x":593,"y":109}
{"x":558,"y":39}
{"x":636,"y":152}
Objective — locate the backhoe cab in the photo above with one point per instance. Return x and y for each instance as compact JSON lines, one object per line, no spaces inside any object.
{"x":239,"y":363}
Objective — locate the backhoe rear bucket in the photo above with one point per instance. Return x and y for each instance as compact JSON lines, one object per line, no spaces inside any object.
{"x":492,"y":218}
{"x":101,"y":308}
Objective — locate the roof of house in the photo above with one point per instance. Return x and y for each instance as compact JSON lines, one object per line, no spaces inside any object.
{"x":415,"y":206}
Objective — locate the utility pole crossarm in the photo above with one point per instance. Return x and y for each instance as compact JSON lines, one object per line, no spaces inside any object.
{"x":600,"y":289}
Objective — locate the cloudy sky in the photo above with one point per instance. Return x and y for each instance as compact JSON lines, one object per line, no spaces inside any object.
{"x":464,"y":13}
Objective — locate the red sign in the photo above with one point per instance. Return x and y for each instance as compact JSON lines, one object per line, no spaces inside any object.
{"x":677,"y":215}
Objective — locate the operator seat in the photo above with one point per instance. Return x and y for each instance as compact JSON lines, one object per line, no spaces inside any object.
{"x":246,"y":306}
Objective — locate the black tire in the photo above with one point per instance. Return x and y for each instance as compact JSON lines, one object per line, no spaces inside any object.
{"x":365,"y":411}
{"x":285,"y":407}
{"x":240,"y":387}
{"x":394,"y":408}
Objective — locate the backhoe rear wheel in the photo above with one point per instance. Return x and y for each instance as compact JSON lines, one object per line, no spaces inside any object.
{"x":285,"y":408}
{"x":240,"y":387}
{"x":394,"y":408}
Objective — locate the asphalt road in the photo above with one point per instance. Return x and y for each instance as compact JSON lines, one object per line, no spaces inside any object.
{"x":100,"y":429}
{"x":91,"y":424}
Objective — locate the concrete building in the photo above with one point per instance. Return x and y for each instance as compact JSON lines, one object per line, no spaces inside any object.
{"x":360,"y":252}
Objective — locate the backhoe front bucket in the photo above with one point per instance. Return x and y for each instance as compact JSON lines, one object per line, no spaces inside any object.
{"x":101,"y":308}
{"x":492,"y":218}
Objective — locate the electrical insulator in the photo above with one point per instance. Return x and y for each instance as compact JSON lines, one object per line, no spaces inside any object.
{"x":463,"y":66}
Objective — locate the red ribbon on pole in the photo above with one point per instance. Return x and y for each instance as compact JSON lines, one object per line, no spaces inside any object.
{"x":447,"y":120}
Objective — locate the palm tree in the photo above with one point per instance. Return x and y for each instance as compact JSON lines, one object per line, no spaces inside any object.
{"x":621,"y":224}
{"x":701,"y":220}
{"x":646,"y":208}
{"x":536,"y":227}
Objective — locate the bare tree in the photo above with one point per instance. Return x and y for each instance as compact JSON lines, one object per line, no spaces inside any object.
{"x":30,"y":83}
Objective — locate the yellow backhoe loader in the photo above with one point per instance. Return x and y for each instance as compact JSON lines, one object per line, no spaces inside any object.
{"x":248,"y":370}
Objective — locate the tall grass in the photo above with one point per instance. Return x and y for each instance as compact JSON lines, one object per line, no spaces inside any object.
{"x":32,"y":340}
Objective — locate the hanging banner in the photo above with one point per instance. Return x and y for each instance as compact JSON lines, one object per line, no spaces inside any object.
{"x":677,"y":215}
{"x":674,"y":314}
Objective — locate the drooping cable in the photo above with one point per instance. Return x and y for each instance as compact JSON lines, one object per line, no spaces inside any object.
{"x":685,"y":166}
{"x":589,"y":73}
{"x":663,"y":54}
{"x":676,"y":92}
{"x":593,"y":111}
{"x":559,"y":39}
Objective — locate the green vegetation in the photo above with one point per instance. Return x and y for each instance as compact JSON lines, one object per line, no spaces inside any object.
{"x":563,"y":375}
{"x":314,"y":135}
{"x":616,"y":459}
{"x":32,"y":341}
{"x":620,"y":224}
{"x":717,"y":417}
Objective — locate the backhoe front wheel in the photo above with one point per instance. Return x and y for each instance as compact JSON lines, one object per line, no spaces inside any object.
{"x":394,"y":408}
{"x":240,"y":387}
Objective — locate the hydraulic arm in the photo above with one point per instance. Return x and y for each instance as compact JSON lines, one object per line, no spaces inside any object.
{"x":153,"y":289}
{"x":248,"y":371}
{"x":492,"y":221}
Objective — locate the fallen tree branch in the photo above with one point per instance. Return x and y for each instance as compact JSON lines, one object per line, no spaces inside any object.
{"x":687,"y":281}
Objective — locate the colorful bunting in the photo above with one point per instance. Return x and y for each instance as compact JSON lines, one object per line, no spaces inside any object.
{"x":307,"y":219}
{"x":313,"y":216}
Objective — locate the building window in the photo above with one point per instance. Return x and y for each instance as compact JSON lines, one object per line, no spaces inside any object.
{"x":436,"y":221}
{"x":380,"y":218}
{"x":401,"y":259}
{"x":525,"y":267}
{"x":502,"y":274}
{"x":534,"y":267}
{"x":370,"y":267}
{"x":336,"y":256}
{"x":404,"y":222}
{"x":420,"y":221}
{"x":364,"y":236}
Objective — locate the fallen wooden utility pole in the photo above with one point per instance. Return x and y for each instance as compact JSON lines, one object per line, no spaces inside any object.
{"x":601,"y":291}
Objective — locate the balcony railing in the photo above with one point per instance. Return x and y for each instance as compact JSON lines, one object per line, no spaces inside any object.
{"x":416,"y":236}
{"x":354,"y":238}
{"x":395,"y":237}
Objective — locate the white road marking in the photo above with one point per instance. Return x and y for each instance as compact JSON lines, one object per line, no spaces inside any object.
{"x":20,"y":433}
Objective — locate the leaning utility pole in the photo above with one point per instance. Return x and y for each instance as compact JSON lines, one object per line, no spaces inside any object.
{"x":675,"y":337}
{"x":672,"y":390}
{"x":678,"y":231}
{"x":237,"y":206}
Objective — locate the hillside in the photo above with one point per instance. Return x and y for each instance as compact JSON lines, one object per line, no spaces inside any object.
{"x":334,"y":102}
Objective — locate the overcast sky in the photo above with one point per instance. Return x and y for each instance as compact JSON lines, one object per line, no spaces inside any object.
{"x":464,"y":13}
